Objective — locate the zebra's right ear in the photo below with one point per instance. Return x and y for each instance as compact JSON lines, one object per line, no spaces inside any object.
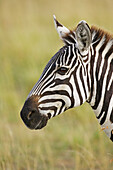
{"x":66,"y":35}
{"x":83,"y":36}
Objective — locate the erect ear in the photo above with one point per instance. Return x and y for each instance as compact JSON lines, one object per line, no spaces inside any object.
{"x":65,"y":34}
{"x":83,"y":36}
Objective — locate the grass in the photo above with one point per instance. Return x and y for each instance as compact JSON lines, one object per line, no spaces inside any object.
{"x":28,"y":40}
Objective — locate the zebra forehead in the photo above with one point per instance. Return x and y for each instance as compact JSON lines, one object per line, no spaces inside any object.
{"x":53,"y":60}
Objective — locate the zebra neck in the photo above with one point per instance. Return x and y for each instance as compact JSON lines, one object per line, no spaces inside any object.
{"x":101,"y":95}
{"x":101,"y":72}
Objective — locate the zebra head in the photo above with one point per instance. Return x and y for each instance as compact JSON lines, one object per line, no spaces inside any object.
{"x":64,"y":83}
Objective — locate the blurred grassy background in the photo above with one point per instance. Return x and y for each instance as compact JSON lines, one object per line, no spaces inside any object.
{"x":28,"y":40}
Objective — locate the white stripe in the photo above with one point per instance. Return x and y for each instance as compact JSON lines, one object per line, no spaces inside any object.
{"x":110,"y":82}
{"x":55,"y":96}
{"x":69,"y":53}
{"x":75,"y":93}
{"x":59,"y":87}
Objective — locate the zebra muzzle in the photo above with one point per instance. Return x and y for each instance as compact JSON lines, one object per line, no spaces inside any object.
{"x":31,"y":116}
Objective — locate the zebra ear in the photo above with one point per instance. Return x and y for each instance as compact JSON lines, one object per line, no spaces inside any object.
{"x":83,"y":36}
{"x":65,"y":34}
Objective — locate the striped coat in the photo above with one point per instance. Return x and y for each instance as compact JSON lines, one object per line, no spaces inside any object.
{"x":81,"y":71}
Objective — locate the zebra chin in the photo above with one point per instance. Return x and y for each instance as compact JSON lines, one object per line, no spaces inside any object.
{"x":31,"y":116}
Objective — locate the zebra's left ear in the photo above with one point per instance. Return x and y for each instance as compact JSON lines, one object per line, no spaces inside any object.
{"x":65,"y":34}
{"x":83,"y":36}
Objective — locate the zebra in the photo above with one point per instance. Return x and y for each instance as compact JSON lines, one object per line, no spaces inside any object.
{"x":81,"y":71}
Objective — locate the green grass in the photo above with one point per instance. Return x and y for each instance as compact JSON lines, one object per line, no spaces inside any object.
{"x":28,"y":40}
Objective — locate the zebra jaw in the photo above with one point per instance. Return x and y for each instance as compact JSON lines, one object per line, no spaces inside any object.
{"x":31,"y":116}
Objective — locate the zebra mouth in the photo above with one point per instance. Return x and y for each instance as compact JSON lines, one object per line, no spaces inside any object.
{"x":42,"y":123}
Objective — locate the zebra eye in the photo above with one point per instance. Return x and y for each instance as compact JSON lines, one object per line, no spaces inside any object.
{"x":62,"y":70}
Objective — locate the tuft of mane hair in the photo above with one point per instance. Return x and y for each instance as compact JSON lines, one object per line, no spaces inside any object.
{"x":100,"y":33}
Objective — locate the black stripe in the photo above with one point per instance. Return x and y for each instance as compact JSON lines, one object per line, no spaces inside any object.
{"x":105,"y":106}
{"x":82,"y":80}
{"x":66,"y":54}
{"x":50,"y":108}
{"x":77,"y":85}
{"x":91,"y":74}
{"x":72,"y":97}
{"x":71,"y":55}
{"x":109,"y":52}
{"x":59,"y":92}
{"x":111,"y":116}
{"x":111,"y":135}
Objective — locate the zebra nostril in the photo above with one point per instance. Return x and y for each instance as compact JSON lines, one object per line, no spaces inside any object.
{"x":29,"y":116}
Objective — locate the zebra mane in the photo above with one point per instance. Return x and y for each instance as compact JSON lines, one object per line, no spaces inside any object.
{"x":98,"y":34}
